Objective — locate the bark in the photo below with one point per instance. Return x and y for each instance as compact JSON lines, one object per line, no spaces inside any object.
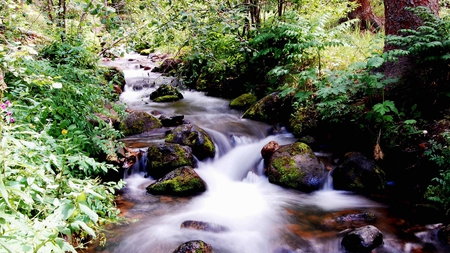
{"x":368,"y":20}
{"x":397,"y":18}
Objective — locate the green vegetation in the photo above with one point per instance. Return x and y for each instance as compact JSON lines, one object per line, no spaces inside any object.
{"x":58,"y":115}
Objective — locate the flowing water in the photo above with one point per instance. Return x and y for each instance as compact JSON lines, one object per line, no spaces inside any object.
{"x":260,"y":217}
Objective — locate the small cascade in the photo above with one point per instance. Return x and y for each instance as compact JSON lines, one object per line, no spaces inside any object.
{"x":139,"y":167}
{"x":328,"y":182}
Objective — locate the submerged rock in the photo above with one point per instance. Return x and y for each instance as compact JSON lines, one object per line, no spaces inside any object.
{"x":196,"y":246}
{"x":244,"y":101}
{"x":363,"y":239}
{"x":138,"y":122}
{"x":271,"y":108}
{"x":165,"y":93}
{"x":179,"y":182}
{"x":162,"y":158}
{"x":343,"y":222}
{"x":171,"y":121}
{"x":359,"y":174}
{"x":194,"y":137}
{"x":204,"y":226}
{"x":295,"y":166}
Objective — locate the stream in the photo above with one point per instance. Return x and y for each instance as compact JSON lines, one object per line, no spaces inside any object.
{"x":261,"y":217}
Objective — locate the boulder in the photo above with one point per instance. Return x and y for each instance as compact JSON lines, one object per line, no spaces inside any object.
{"x":168,"y":65}
{"x":194,"y":137}
{"x":166,"y":93}
{"x":183,"y":181}
{"x":358,"y":173}
{"x":162,"y":158}
{"x":171,"y":121}
{"x":271,"y":108}
{"x":196,"y":246}
{"x":244,"y":101}
{"x":268,"y":150}
{"x":204,"y":226}
{"x":363,"y":239}
{"x":295,"y":166}
{"x":138,"y":122}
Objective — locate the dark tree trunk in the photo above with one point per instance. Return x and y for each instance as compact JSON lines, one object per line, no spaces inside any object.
{"x":397,"y":18}
{"x":367,"y":18}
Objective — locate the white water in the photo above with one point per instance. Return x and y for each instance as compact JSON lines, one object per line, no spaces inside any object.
{"x":261,"y":217}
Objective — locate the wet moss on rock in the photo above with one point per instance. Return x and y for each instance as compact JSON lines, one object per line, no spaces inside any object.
{"x":167,"y":91}
{"x":162,"y":158}
{"x":138,"y":122}
{"x":194,"y":137}
{"x":244,"y":101}
{"x":179,"y":182}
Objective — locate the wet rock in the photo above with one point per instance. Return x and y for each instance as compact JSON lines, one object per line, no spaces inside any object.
{"x":196,"y":246}
{"x":204,"y":226}
{"x":363,"y":239}
{"x":115,"y":75}
{"x":244,"y":101}
{"x":444,"y":235}
{"x":194,"y":137}
{"x":138,"y":122}
{"x":349,"y":220}
{"x":171,"y":121}
{"x":147,"y":51}
{"x":166,"y":93}
{"x":162,"y":158}
{"x":268,"y":149}
{"x":271,"y":108}
{"x":179,"y":182}
{"x":295,"y":166}
{"x":168,"y":65}
{"x":359,"y":174}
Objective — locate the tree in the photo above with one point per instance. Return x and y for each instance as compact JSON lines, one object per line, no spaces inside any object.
{"x":363,"y":11}
{"x":399,"y":17}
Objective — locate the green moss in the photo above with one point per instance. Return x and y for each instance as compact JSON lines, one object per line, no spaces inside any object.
{"x":288,"y":173}
{"x":147,"y":51}
{"x":167,"y":98}
{"x":243,"y":101}
{"x":139,"y":122}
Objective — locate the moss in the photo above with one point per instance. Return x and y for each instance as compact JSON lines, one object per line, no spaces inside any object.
{"x":243,"y":101}
{"x":147,"y":51}
{"x":288,"y":173}
{"x":182,"y":181}
{"x":139,"y":122}
{"x":167,"y":98}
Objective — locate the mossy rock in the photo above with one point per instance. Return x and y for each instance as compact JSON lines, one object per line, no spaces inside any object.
{"x":115,"y":75}
{"x":244,"y":101}
{"x":271,"y":108}
{"x":295,"y":166}
{"x":147,"y":51}
{"x":194,"y":137}
{"x":196,"y":246}
{"x":357,"y":173}
{"x":179,"y":182}
{"x":167,"y":98}
{"x":139,"y":122}
{"x":162,"y":158}
{"x":167,"y":91}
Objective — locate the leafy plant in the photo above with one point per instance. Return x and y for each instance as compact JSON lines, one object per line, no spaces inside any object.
{"x":439,"y":153}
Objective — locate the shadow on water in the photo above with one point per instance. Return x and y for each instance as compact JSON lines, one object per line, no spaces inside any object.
{"x":259,"y":216}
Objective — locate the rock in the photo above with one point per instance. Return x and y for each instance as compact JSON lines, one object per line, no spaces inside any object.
{"x":244,"y":101}
{"x":204,"y":226}
{"x":271,"y":108}
{"x":138,"y":122}
{"x":162,"y":158}
{"x":444,"y":235}
{"x":349,"y":220}
{"x":295,"y":166}
{"x":179,"y":182}
{"x":115,"y":75}
{"x":171,"y":121}
{"x":196,"y":246}
{"x":166,"y":92}
{"x":268,"y":149}
{"x":363,"y":239}
{"x":194,"y":137}
{"x":359,"y":174}
{"x":168,"y":65}
{"x":147,"y":51}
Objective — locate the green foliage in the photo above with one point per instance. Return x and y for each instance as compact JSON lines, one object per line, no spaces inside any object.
{"x":439,"y":153}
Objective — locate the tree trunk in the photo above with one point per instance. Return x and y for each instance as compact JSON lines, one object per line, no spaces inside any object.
{"x":367,"y":18}
{"x":397,"y":18}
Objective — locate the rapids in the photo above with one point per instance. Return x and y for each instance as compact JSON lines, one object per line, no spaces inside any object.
{"x":261,"y":217}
